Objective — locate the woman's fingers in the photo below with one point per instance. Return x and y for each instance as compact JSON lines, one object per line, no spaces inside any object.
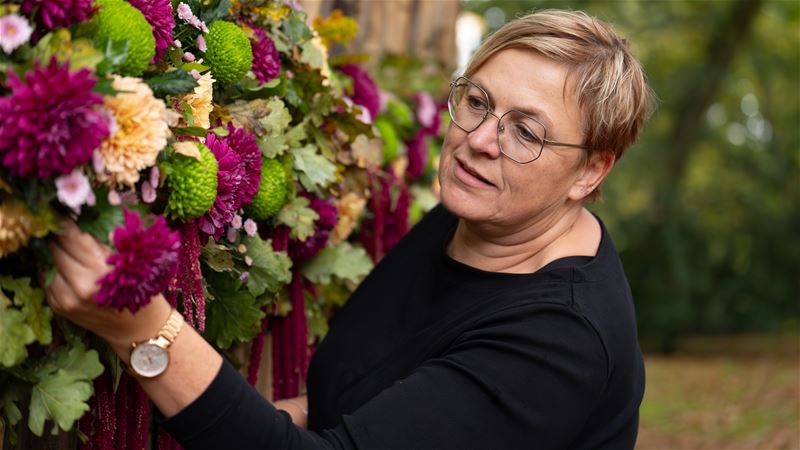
{"x":61,"y":297}
{"x":83,"y":246}
{"x":80,"y":278}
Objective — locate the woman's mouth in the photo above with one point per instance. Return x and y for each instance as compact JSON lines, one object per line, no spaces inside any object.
{"x":470,"y":176}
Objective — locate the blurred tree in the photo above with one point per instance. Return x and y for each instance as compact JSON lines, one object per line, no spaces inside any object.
{"x":705,"y":208}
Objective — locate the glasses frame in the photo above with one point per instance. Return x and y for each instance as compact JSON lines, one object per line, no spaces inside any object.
{"x":489,"y":111}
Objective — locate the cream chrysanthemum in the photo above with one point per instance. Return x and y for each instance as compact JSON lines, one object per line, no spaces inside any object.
{"x":16,"y":227}
{"x":139,"y":132}
{"x":200,"y":101}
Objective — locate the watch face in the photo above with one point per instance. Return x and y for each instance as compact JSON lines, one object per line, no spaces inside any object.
{"x":149,"y":360}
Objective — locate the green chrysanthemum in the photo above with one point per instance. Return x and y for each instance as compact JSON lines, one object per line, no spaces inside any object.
{"x":228,"y":52}
{"x":192,"y":184}
{"x":119,"y":21}
{"x":272,"y":191}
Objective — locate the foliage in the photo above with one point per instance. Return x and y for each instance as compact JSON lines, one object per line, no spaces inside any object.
{"x":709,"y":236}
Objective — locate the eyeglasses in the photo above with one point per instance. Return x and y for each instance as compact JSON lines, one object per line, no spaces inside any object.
{"x":523,"y":143}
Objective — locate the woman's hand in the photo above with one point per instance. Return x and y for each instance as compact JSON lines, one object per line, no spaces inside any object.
{"x":81,"y":261}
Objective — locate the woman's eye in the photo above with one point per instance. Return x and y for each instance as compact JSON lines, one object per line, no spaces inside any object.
{"x":525,"y":134}
{"x":475,"y":102}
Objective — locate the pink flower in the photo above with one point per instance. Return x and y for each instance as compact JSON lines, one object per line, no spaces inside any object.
{"x":236,"y":223}
{"x":185,"y":13}
{"x":50,"y":14}
{"x":201,"y":43}
{"x":148,"y":192}
{"x":74,"y":190}
{"x":229,"y":179}
{"x":426,"y":109}
{"x":51,"y":122}
{"x":250,"y":227}
{"x":14,"y":31}
{"x":365,"y":91}
{"x":187,"y":56}
{"x":144,"y":261}
{"x":159,"y":14}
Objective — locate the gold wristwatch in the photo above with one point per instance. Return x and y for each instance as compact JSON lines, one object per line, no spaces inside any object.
{"x":150,"y":358}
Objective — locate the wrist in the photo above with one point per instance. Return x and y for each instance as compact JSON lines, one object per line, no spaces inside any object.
{"x":132,"y":328}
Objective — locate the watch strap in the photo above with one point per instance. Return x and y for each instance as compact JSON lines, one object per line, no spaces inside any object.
{"x":172,"y":327}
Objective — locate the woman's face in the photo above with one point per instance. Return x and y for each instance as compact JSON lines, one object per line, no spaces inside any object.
{"x":511,"y":194}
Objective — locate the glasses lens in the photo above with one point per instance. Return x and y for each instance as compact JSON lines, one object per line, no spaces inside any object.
{"x":521,"y":137}
{"x":468,"y":105}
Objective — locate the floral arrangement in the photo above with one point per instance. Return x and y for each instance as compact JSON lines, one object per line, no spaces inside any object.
{"x":227,"y":161}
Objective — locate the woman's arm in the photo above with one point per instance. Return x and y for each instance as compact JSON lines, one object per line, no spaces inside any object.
{"x":193,"y":362}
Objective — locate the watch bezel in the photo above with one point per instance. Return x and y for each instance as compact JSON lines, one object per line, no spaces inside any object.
{"x":143,"y":372}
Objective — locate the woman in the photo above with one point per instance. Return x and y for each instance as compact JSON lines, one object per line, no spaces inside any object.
{"x":502,"y":320}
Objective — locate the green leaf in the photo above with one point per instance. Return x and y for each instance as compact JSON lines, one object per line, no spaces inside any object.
{"x":115,"y":53}
{"x":296,"y":135}
{"x":102,"y":218}
{"x":235,"y":315}
{"x":314,"y":170}
{"x":299,"y":217}
{"x":219,"y":11}
{"x":342,"y":260}
{"x":37,"y":314}
{"x":278,"y":118}
{"x":171,"y":83}
{"x":272,"y":146}
{"x":311,"y":55}
{"x":15,"y":334}
{"x":296,"y":28}
{"x":218,"y":257}
{"x":64,"y":387}
{"x":270,"y":270}
{"x":190,"y":131}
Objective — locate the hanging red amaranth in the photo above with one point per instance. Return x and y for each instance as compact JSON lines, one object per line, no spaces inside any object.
{"x":372,"y":229}
{"x":290,"y":344}
{"x":190,"y":277}
{"x":257,"y":349}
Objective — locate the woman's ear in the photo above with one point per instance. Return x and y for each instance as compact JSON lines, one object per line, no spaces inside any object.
{"x":591,"y":175}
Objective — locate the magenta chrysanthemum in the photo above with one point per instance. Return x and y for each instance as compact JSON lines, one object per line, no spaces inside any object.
{"x":144,"y":261}
{"x":51,"y":122}
{"x":229,"y":177}
{"x":365,"y":91}
{"x":245,"y":145}
{"x":417,"y":154}
{"x":159,"y":14}
{"x":305,"y":250}
{"x":266,"y":60}
{"x":52,"y":14}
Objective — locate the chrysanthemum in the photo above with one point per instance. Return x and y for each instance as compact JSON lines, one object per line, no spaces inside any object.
{"x":144,"y":261}
{"x":200,"y":101}
{"x":229,"y":178}
{"x":142,"y":132}
{"x":14,"y":31}
{"x":266,"y":60}
{"x":52,"y":14}
{"x":365,"y":91}
{"x":16,"y":225}
{"x":159,"y":14}
{"x":245,"y":145}
{"x":417,"y":154}
{"x":50,"y":123}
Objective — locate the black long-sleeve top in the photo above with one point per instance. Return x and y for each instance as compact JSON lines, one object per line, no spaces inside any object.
{"x":432,"y":354}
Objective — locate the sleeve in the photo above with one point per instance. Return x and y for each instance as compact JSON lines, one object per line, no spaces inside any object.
{"x":526,"y":377}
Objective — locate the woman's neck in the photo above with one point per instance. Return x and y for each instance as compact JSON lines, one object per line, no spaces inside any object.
{"x":527,"y":247}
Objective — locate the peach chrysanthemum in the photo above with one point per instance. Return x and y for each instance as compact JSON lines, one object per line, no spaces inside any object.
{"x":139,"y":132}
{"x":16,"y":226}
{"x":200,"y":101}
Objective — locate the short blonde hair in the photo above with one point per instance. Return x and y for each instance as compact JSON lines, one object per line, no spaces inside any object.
{"x":609,"y":83}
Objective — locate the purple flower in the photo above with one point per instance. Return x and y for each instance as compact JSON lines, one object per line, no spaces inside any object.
{"x":244,"y":144}
{"x":250,"y":227}
{"x":266,"y":60}
{"x":74,"y":190}
{"x":52,"y":14}
{"x":229,"y":177}
{"x":159,"y":14}
{"x":14,"y":31}
{"x":417,"y":154}
{"x":365,"y":91}
{"x":50,"y":123}
{"x":303,"y":251}
{"x":144,"y":261}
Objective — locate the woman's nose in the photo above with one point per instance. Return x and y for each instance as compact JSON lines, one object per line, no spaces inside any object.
{"x":484,"y":138}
